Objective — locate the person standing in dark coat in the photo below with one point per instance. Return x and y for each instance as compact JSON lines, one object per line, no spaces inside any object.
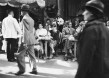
{"x":93,"y":43}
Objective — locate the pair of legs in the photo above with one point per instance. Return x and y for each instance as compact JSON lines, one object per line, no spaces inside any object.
{"x":42,"y":45}
{"x":52,"y":44}
{"x":67,"y":46}
{"x":21,"y":57}
{"x":12,"y":47}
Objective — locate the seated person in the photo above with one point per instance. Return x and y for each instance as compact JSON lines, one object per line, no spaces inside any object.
{"x":68,"y":33}
{"x":41,"y":34}
{"x":48,"y":25}
{"x":55,"y":39}
{"x":60,"y":23}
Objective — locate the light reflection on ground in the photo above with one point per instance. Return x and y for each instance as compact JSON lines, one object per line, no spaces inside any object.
{"x":63,"y":63}
{"x":54,"y":69}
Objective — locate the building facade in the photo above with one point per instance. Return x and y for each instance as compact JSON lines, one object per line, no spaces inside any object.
{"x":70,"y":8}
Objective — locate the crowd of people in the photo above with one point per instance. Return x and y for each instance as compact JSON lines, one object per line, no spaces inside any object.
{"x":92,"y":35}
{"x":22,"y":38}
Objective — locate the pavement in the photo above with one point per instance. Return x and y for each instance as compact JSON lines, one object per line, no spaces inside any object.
{"x":53,"y":68}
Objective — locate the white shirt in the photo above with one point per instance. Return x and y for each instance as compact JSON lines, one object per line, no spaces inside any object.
{"x":42,"y":32}
{"x":10,"y":27}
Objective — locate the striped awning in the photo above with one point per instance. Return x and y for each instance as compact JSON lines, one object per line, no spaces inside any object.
{"x":17,"y":3}
{"x":41,"y":3}
{"x":12,"y":3}
{"x":26,"y":1}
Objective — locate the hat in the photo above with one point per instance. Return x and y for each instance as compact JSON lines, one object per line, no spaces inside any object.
{"x":25,"y":7}
{"x":96,"y":5}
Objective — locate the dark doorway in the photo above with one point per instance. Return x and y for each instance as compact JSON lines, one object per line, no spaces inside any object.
{"x":4,"y":9}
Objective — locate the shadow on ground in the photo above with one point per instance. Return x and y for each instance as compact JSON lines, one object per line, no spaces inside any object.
{"x":54,"y":68}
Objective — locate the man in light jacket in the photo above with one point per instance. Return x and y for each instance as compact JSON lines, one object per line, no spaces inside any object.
{"x":10,"y":31}
{"x":28,"y":42}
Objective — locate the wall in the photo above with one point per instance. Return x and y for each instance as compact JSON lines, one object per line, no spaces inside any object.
{"x":4,"y":9}
{"x":61,"y":8}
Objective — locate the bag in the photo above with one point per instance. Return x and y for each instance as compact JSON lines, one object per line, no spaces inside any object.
{"x":22,"y":47}
{"x":4,"y":46}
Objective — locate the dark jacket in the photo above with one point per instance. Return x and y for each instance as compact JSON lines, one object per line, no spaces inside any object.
{"x":93,"y":51}
{"x":55,"y":35}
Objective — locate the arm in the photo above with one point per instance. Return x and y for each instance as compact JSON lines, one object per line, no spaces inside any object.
{"x":3,"y":29}
{"x":17,"y":27}
{"x":73,"y":31}
{"x":64,"y":33}
{"x":36,"y":34}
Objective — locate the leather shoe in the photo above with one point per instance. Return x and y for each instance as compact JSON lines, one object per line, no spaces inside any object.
{"x":12,"y":60}
{"x":34,"y":72}
{"x":19,"y":73}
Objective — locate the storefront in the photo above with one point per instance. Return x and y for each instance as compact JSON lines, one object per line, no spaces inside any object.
{"x":70,"y":8}
{"x":36,"y":8}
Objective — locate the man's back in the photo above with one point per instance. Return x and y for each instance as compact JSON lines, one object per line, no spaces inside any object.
{"x":28,"y":23}
{"x":10,"y":27}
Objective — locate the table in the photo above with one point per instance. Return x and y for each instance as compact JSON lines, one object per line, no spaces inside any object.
{"x":46,"y":42}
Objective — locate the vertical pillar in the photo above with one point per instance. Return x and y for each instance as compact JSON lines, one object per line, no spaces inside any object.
{"x":60,"y":7}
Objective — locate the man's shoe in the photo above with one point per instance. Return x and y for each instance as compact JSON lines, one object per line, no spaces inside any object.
{"x":19,"y":73}
{"x":52,"y":55}
{"x":12,"y":60}
{"x":34,"y":72}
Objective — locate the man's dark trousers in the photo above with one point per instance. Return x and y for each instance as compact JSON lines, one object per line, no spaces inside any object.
{"x":12,"y":47}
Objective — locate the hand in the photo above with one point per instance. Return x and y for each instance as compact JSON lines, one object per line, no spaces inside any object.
{"x":19,"y":36}
{"x":71,"y":37}
{"x":24,"y":44}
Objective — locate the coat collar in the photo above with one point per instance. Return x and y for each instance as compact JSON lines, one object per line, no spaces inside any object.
{"x":25,"y":16}
{"x":95,"y":22}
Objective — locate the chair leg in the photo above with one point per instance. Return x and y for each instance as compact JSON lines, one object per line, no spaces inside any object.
{"x":38,"y":55}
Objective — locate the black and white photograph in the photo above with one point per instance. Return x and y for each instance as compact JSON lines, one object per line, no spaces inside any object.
{"x":54,"y":38}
